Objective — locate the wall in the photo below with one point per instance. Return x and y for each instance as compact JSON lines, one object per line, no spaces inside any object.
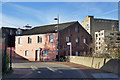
{"x":71,"y":32}
{"x":32,"y":47}
{"x":109,"y":65}
{"x":92,"y":24}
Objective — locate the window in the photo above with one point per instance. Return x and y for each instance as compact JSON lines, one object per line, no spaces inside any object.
{"x":19,"y":40}
{"x":77,"y":29}
{"x":99,"y":47}
{"x":99,"y":42}
{"x":11,"y":32}
{"x":84,"y":53}
{"x":101,"y":33}
{"x":45,"y":53}
{"x":118,"y":38}
{"x":85,"y":40}
{"x":39,"y":39}
{"x":26,"y":53}
{"x":51,"y":37}
{"x":96,"y":42}
{"x":96,"y":35}
{"x":99,"y":38}
{"x":96,"y":48}
{"x":77,"y":53}
{"x":118,"y":34}
{"x":77,"y":40}
{"x":67,"y":39}
{"x":29,"y":40}
{"x":111,"y":33}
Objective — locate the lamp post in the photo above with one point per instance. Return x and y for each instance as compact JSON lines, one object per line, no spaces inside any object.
{"x":11,"y":53}
{"x":5,"y":53}
{"x":58,"y":46}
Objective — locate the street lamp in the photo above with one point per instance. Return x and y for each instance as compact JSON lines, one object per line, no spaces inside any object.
{"x":58,"y":36}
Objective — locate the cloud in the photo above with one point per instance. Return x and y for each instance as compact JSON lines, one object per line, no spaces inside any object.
{"x":30,"y":11}
{"x":8,"y":21}
{"x":41,"y":17}
{"x":109,"y":12}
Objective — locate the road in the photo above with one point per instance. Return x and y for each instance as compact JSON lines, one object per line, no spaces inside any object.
{"x":45,"y":70}
{"x":66,"y":70}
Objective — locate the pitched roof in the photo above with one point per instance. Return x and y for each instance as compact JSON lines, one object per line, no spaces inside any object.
{"x":47,"y":28}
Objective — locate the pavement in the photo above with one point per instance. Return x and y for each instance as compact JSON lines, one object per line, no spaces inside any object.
{"x":56,"y":70}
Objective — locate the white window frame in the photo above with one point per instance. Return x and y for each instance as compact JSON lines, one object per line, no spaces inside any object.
{"x":84,"y":53}
{"x":67,"y":39}
{"x":19,"y":40}
{"x":77,"y":40}
{"x":29,"y":41}
{"x":76,"y":53}
{"x":26,"y":53}
{"x":85,"y":40}
{"x":39,"y":37}
{"x":45,"y":53}
{"x":51,"y":39}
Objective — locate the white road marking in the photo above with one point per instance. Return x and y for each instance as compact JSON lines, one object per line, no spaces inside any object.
{"x":51,"y":69}
{"x":60,"y":71}
{"x":33,"y":67}
{"x":39,"y":71}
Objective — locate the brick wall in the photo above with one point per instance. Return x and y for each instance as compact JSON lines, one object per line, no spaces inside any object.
{"x":81,"y":46}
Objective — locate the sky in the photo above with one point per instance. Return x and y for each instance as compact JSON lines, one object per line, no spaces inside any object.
{"x":19,"y":14}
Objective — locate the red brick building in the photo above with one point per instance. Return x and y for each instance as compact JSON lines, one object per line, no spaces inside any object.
{"x":41,"y":43}
{"x":6,"y":31}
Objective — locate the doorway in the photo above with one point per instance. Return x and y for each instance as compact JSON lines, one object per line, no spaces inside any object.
{"x":36,"y":55}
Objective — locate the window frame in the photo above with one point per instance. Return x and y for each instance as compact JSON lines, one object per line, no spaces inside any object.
{"x":51,"y":38}
{"x":77,"y":40}
{"x":26,"y":53}
{"x":39,"y":39}
{"x":77,"y":29}
{"x":29,"y":40}
{"x":77,"y":53}
{"x":44,"y":54}
{"x":67,"y":38}
{"x":19,"y":40}
{"x":85,"y":40}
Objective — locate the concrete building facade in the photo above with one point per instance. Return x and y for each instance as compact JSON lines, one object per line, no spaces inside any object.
{"x":27,"y":44}
{"x":99,"y":29}
{"x":104,"y":38}
{"x":92,"y":24}
{"x":6,"y":31}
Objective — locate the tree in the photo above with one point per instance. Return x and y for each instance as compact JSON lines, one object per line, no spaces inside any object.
{"x":111,"y":45}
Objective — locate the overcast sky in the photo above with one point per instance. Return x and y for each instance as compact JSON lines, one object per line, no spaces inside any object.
{"x":18,"y":14}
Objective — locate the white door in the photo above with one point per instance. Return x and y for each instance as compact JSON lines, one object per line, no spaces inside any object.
{"x":37,"y":55}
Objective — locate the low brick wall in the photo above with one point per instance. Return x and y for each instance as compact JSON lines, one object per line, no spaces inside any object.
{"x":110,"y":65}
